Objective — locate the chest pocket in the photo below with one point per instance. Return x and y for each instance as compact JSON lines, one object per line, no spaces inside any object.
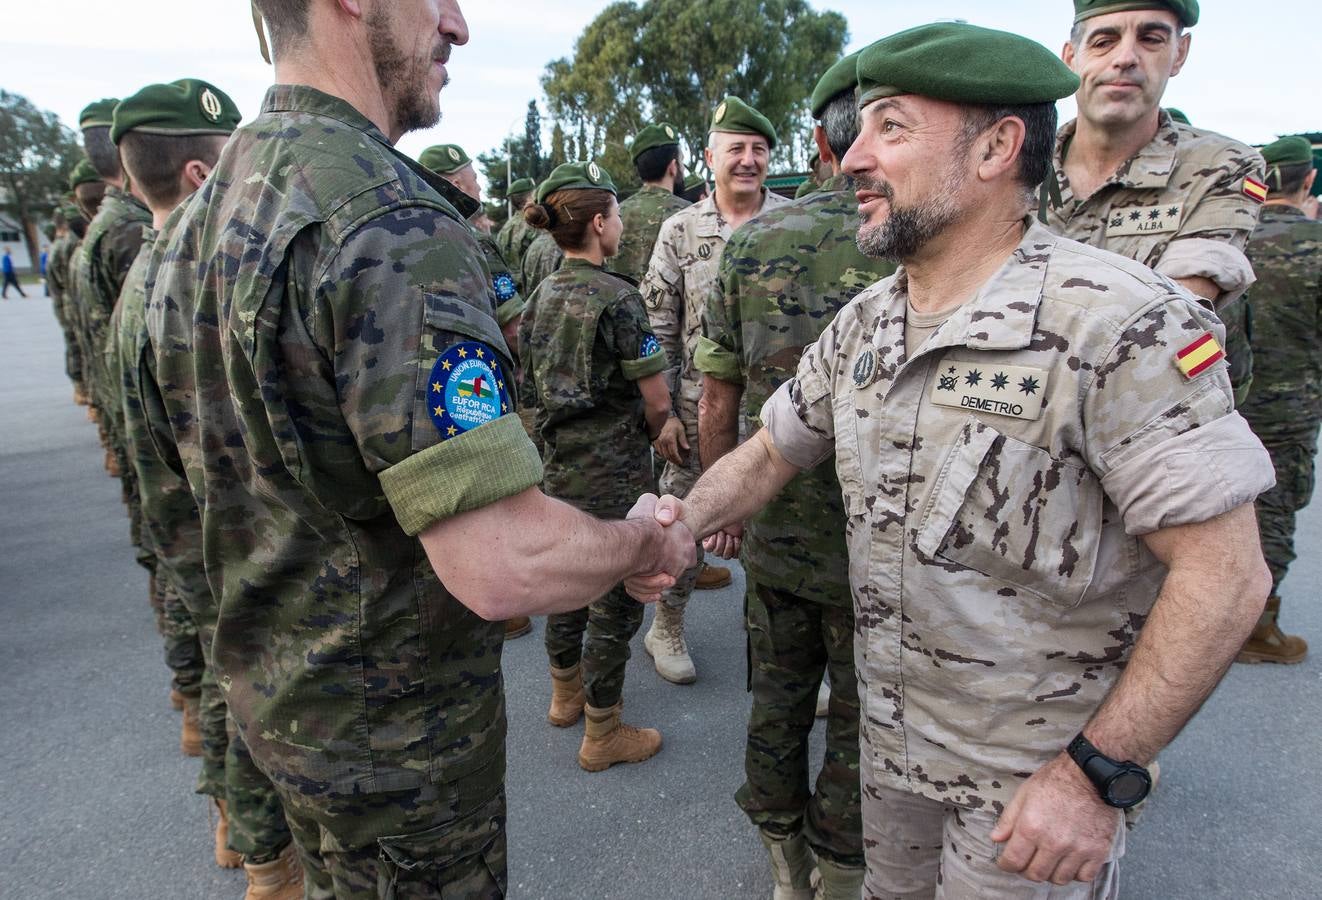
{"x":1015,"y":513}
{"x":848,"y":461}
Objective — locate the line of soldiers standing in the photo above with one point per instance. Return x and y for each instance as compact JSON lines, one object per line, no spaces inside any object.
{"x":734,"y":288}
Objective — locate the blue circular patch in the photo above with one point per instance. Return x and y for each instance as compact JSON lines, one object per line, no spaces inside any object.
{"x":650,"y":347}
{"x":504,"y":286}
{"x":466,"y":389}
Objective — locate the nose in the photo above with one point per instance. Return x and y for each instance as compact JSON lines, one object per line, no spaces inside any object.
{"x":453,"y":27}
{"x":1126,"y":53}
{"x":857,"y":160}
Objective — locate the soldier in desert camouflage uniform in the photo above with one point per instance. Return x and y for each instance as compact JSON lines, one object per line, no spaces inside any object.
{"x":593,"y":374}
{"x":1036,"y":445}
{"x":324,"y":342}
{"x":783,"y":277}
{"x":678,"y":284}
{"x":1285,"y":404}
{"x":660,"y":165}
{"x":1130,"y":179}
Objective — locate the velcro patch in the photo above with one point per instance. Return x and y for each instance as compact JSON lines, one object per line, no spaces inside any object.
{"x":466,"y":389}
{"x":1199,"y":356}
{"x":1140,"y":220}
{"x":1255,"y":189}
{"x":1015,"y":391}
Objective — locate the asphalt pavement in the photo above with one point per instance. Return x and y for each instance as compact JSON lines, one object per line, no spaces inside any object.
{"x":96,"y":802}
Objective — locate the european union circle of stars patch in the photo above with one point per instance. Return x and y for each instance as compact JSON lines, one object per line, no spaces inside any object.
{"x":650,"y":346}
{"x":466,"y":389}
{"x":503,"y":284}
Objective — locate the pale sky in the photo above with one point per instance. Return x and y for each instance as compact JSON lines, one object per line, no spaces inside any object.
{"x":1242,"y":80}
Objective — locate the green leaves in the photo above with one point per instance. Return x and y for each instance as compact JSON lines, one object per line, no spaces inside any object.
{"x":36,"y":155}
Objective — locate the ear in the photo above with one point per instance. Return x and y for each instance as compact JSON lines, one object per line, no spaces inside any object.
{"x":1067,"y":55}
{"x":823,"y":148}
{"x":710,"y":157}
{"x":195,"y":173}
{"x":599,"y":224}
{"x":1308,"y":181}
{"x":1181,"y":53}
{"x":998,"y":149}
{"x":352,"y":8}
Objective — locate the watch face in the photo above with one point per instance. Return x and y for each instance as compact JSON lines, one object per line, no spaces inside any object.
{"x":1128,"y":788}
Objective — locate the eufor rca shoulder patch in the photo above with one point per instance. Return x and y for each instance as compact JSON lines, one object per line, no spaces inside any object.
{"x":503,"y":285}
{"x":1255,"y":190}
{"x":1014,"y":391}
{"x":650,"y":346}
{"x":1199,"y":356}
{"x":466,"y":389}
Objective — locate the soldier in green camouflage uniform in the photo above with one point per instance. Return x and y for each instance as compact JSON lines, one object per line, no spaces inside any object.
{"x":516,"y":234}
{"x":72,"y":227}
{"x":590,"y":359}
{"x":325,"y":351}
{"x":773,"y":297}
{"x":1284,"y":405}
{"x":660,"y":165}
{"x":543,"y":258}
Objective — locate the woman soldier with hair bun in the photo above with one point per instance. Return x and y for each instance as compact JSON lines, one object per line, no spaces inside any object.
{"x":594,"y":376}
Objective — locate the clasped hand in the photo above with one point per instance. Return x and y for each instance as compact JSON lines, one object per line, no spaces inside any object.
{"x":678,"y":550}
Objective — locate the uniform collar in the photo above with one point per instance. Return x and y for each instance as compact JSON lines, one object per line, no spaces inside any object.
{"x":1150,"y":168}
{"x":575,"y":262}
{"x":1281,"y":211}
{"x":841,"y":182}
{"x":711,"y":224}
{"x":303,"y":99}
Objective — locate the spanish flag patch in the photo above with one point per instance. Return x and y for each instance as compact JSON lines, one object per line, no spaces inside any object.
{"x":1255,"y":190}
{"x":1199,"y":356}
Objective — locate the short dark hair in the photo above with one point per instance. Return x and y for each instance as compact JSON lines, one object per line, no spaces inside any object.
{"x":1039,"y":135}
{"x":154,"y":161}
{"x":651,"y":164}
{"x":287,"y":21}
{"x":1287,"y":178}
{"x":840,"y":122}
{"x":101,"y":151}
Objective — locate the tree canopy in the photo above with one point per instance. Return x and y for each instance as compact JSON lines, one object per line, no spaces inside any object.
{"x":36,"y":155}
{"x":674,"y":60}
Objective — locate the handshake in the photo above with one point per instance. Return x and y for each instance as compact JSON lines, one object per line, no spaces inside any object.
{"x":674,"y":544}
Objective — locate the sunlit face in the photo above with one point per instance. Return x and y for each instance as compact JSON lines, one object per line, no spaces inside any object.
{"x":738,"y":162}
{"x":612,"y":229}
{"x":909,"y":167}
{"x":1123,"y":61}
{"x":466,"y":180}
{"x":410,"y":42}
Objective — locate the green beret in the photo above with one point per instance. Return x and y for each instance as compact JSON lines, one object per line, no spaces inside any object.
{"x":693,"y":181}
{"x":1185,"y":10}
{"x":1288,"y":150}
{"x":962,"y":63}
{"x":1178,"y":115}
{"x":521,"y":186}
{"x":444,"y":159}
{"x":843,"y":76}
{"x":660,"y":134}
{"x":83,"y":173}
{"x":576,"y":176}
{"x":734,"y":116}
{"x":100,"y":114}
{"x":184,"y":107}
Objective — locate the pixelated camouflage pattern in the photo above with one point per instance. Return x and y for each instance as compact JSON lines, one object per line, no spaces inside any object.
{"x":997,"y":591}
{"x":642,"y":214}
{"x":511,"y":308}
{"x":257,"y":827}
{"x":1285,"y":403}
{"x":514,"y":239}
{"x":542,"y":257}
{"x":299,"y":303}
{"x":57,"y":276}
{"x":1200,"y":171}
{"x":782,"y":278}
{"x":581,"y":344}
{"x":597,"y":637}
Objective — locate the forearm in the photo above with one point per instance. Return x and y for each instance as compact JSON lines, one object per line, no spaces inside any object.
{"x":718,"y":419}
{"x":739,"y":484}
{"x":1201,"y":619}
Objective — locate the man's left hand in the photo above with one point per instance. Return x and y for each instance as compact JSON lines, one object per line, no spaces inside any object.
{"x":1056,"y":827}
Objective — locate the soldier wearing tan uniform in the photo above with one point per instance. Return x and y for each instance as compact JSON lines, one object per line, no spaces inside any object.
{"x":1134,"y":181}
{"x":680,"y":278}
{"x":1036,"y":447}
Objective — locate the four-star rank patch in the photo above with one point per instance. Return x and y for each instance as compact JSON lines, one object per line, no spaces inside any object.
{"x":1015,"y":391}
{"x":503,"y":285}
{"x":1198,"y":357}
{"x":466,"y":390}
{"x":1139,"y":220}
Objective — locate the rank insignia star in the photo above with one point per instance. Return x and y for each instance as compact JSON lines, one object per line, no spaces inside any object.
{"x":952,"y":370}
{"x":973,"y":378}
{"x":1155,"y":214}
{"x":1028,"y":386}
{"x":999,"y":381}
{"x":1135,"y":216}
{"x":1172,"y":212}
{"x":947,"y":383}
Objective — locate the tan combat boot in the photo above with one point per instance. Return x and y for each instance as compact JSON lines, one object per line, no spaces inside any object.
{"x":225,"y":857}
{"x":112,"y":464}
{"x":91,"y":415}
{"x":279,"y":879}
{"x":190,"y":734}
{"x":1268,"y":644}
{"x":567,"y":697}
{"x":712,"y":577}
{"x":837,"y":882}
{"x":607,"y":740}
{"x":517,"y":627}
{"x":791,"y":866}
{"x":176,"y":700}
{"x":79,"y":395}
{"x":664,"y":642}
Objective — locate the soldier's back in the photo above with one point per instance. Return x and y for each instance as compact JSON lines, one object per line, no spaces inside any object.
{"x":643,"y":215}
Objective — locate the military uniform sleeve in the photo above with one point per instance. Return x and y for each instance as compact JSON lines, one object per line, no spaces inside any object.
{"x":509,"y":303}
{"x":720,"y":349}
{"x":1214,"y":233}
{"x":407,"y":288}
{"x":663,"y":292}
{"x":799,"y":416}
{"x":628,"y":333}
{"x":1170,"y":449}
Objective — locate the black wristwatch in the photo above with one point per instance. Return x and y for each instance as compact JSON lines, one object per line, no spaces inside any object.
{"x":1120,"y":784}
